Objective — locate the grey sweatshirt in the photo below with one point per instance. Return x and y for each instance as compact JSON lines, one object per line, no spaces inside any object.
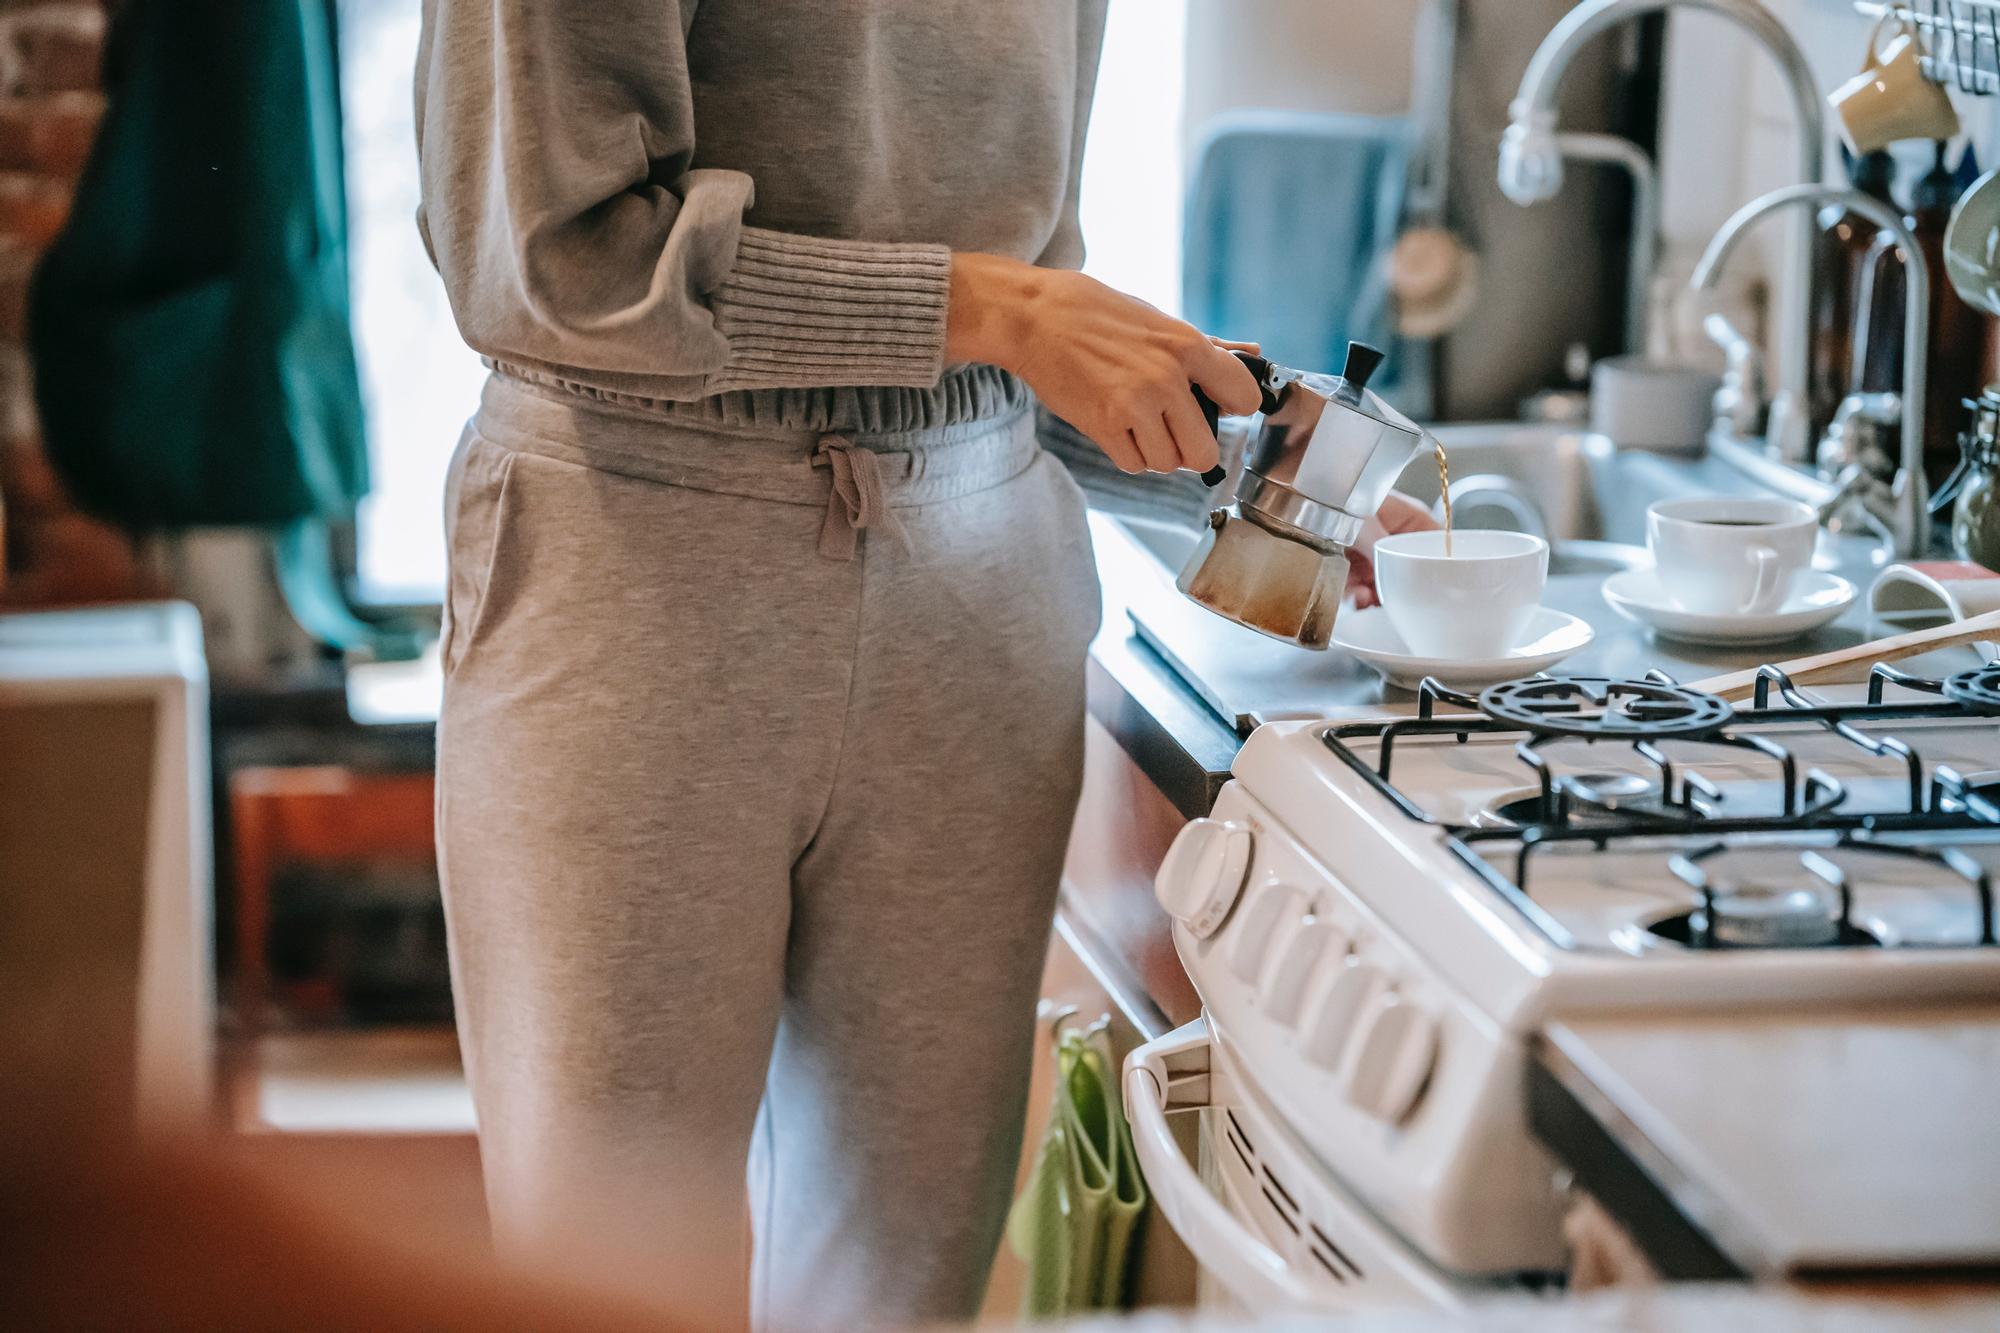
{"x":673,"y":202}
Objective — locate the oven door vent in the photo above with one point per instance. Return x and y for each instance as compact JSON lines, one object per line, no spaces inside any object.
{"x":1284,"y":1206}
{"x":1331,"y":1257}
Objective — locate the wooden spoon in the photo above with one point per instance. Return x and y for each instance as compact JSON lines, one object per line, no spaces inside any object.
{"x":1841,"y":662}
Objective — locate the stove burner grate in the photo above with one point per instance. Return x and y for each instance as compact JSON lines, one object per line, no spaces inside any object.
{"x":1647,"y":715}
{"x":1593,"y":707}
{"x":1813,"y":909}
{"x":1976,"y":691}
{"x":1599,"y":807}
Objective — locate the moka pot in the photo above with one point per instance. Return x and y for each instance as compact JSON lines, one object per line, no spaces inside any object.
{"x":1323,"y":458}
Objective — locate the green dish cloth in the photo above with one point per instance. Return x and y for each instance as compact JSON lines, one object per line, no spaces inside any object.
{"x":1075,"y":1221}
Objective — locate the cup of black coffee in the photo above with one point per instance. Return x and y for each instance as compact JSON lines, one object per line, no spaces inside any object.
{"x":1731,"y":555}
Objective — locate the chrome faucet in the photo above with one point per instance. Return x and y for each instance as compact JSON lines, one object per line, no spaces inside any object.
{"x":1908,"y":519}
{"x":1531,"y":151}
{"x":1643,"y":255}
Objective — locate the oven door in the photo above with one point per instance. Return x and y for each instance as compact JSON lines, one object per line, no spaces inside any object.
{"x":1277,"y":1232}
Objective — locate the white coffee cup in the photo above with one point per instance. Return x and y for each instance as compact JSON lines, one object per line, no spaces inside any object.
{"x":1473,"y":605}
{"x":1729,"y":555}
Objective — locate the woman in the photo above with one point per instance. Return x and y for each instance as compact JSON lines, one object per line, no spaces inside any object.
{"x":767,"y":617}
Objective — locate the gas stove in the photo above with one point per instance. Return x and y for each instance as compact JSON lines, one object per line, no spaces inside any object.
{"x":1640,"y":818}
{"x":1392,"y":919}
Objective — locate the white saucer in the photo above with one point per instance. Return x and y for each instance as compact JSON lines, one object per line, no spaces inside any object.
{"x":1817,"y":598}
{"x":1552,"y":635}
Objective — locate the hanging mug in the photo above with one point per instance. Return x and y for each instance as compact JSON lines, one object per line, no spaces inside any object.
{"x":1891,"y":98}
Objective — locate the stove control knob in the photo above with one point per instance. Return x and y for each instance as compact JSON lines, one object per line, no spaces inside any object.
{"x":1264,"y":910}
{"x":1298,"y":959}
{"x":1202,"y":874}
{"x":1393,"y":1056}
{"x":1328,"y":1030}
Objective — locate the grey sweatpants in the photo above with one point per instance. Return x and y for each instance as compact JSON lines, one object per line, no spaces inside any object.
{"x":740,"y":807}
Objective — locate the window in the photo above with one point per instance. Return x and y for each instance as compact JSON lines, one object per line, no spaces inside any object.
{"x":1132,"y":171}
{"x":420,"y":382}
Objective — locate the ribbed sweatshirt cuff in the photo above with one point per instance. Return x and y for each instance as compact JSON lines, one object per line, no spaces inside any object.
{"x":801,"y":311}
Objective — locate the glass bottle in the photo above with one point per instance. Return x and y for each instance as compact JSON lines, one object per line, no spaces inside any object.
{"x":1960,"y":337}
{"x":1840,"y":250}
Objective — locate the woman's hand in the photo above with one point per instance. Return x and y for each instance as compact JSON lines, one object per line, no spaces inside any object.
{"x":1399,"y":513}
{"x":1110,"y":365}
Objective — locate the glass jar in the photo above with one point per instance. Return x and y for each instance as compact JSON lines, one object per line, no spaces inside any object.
{"x":1975,"y":500}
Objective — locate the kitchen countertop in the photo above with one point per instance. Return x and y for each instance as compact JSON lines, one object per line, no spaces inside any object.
{"x":1665,"y":1309}
{"x":1180,"y":743}
{"x":1185,"y":745}
{"x":1811,"y":1088}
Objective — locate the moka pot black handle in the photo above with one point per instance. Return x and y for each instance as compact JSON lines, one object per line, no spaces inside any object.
{"x":1212,"y":414}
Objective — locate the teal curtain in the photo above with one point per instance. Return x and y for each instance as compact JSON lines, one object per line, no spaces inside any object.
{"x":194,"y":362}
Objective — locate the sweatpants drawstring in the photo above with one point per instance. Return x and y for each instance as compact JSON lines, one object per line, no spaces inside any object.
{"x":857,"y":500}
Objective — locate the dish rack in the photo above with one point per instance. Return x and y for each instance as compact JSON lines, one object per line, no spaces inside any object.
{"x":1961,"y":39}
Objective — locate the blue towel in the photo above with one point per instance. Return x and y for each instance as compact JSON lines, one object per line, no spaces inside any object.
{"x":1289,"y":216}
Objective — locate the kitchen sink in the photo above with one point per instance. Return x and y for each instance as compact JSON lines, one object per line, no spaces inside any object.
{"x":1505,"y":474}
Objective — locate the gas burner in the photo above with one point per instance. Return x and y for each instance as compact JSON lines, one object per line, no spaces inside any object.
{"x":1589,"y":799}
{"x":1759,"y":912}
{"x":1612,"y":792}
{"x":1976,"y":691}
{"x":1595,"y":707}
{"x":1691,"y":930}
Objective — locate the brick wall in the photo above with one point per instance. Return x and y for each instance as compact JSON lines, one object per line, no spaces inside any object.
{"x":50,"y":105}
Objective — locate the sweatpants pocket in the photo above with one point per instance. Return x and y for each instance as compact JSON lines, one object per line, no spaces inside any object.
{"x":476,"y":497}
{"x":1070,"y":515}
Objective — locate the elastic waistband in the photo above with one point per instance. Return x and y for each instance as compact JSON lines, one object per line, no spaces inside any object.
{"x":763,"y":460}
{"x":966,"y":394}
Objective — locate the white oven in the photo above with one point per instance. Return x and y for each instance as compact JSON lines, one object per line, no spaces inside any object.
{"x":1270,"y":1228}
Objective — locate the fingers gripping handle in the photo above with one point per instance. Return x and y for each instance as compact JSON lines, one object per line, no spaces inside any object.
{"x":1362,"y":362}
{"x":1212,"y":414}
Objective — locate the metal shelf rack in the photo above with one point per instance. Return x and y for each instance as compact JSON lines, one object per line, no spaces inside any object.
{"x":1961,"y":39}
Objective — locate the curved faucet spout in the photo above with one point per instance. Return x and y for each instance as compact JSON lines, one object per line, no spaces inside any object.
{"x":1531,"y":159}
{"x":1908,"y":530}
{"x":1530,"y":163}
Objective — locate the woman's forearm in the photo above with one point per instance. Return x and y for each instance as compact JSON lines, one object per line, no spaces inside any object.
{"x":1114,"y":367}
{"x":988,"y":312}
